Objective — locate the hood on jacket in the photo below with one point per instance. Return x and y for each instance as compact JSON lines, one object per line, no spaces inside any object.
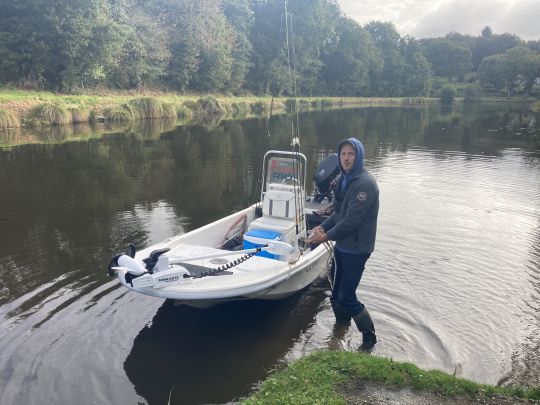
{"x":359,"y":159}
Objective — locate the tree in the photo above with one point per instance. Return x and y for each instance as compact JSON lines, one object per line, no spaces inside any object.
{"x":522,"y":66}
{"x":473,"y":93}
{"x":216,"y":56}
{"x":491,"y":44}
{"x":200,"y":42}
{"x":514,"y":71}
{"x":268,"y":72}
{"x":490,"y":73}
{"x":448,"y":93}
{"x":388,"y":80}
{"x":313,"y":25}
{"x":448,"y":58}
{"x":58,"y":44}
{"x":145,"y":54}
{"x":404,"y":70}
{"x":534,"y":46}
{"x":309,"y":26}
{"x":240,"y":17}
{"x":416,"y":78}
{"x":349,"y":60}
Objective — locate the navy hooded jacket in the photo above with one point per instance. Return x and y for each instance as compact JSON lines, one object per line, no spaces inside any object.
{"x":353,"y":224}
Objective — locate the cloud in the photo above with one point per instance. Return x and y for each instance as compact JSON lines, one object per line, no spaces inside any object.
{"x":461,"y":16}
{"x":468,"y":17}
{"x":402,"y":13}
{"x":422,"y":18}
{"x":523,"y":19}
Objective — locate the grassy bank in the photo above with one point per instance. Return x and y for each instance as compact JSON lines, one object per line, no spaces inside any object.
{"x":20,"y":108}
{"x":317,"y":378}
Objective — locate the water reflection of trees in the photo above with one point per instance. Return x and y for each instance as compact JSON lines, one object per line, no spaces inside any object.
{"x":63,"y":200}
{"x":482,"y":129}
{"x":83,"y":131}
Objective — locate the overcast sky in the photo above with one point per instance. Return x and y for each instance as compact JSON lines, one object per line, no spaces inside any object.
{"x":435,"y":18}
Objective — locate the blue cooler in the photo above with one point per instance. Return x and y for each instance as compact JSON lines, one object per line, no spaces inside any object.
{"x":258,"y":237}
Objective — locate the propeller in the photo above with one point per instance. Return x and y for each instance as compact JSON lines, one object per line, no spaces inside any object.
{"x":114,"y":264}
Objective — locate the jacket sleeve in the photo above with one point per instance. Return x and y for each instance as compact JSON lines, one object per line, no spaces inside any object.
{"x":360,"y":199}
{"x":329,"y":222}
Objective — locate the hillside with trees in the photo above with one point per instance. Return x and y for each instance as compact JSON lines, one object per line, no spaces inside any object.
{"x":239,"y":47}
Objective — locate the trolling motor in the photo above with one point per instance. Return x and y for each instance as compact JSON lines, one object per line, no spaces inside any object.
{"x":325,"y":178}
{"x":161,"y":270}
{"x":138,"y":276}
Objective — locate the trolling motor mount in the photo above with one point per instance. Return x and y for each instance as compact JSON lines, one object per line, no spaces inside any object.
{"x":152,"y":260}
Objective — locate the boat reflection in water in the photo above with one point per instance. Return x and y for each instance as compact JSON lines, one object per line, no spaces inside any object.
{"x":193,"y":356}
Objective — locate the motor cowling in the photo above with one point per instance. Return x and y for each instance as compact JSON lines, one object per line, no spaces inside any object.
{"x":325,"y":174}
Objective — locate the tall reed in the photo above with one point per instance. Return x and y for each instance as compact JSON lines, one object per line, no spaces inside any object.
{"x":8,"y":120}
{"x":79,"y":115}
{"x":117,"y":115}
{"x":48,"y":114}
{"x":147,"y":107}
{"x":169,"y":110}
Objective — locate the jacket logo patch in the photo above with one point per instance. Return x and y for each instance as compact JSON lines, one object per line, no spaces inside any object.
{"x":362,"y":196}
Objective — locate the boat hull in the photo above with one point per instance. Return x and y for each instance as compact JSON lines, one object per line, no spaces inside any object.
{"x":202,"y":268}
{"x":256,"y":278}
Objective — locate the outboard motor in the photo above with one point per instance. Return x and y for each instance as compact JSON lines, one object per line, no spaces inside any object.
{"x":327,"y":171}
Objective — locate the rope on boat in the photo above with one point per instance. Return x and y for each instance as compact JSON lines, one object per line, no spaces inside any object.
{"x":331,"y":257}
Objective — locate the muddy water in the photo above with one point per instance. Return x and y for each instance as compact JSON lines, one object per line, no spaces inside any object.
{"x":454,"y":283}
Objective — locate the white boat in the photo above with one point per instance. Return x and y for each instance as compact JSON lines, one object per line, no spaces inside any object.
{"x":260,"y":252}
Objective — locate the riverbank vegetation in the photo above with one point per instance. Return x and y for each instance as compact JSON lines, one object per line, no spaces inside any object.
{"x":318,"y":378}
{"x":238,"y":47}
{"x":41,"y":108}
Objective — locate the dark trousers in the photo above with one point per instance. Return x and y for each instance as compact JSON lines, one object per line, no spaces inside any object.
{"x":348,"y":271}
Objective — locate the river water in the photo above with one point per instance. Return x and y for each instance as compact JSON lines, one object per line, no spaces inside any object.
{"x":454,"y":283}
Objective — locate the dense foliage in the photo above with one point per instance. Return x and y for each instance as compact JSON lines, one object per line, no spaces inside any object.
{"x":241,"y":46}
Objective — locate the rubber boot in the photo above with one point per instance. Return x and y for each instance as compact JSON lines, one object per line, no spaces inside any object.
{"x":365,"y":326}
{"x":343,"y":321}
{"x":339,"y":331}
{"x":342,"y":318}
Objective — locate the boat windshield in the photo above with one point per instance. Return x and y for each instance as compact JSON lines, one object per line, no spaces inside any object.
{"x":284,"y":170}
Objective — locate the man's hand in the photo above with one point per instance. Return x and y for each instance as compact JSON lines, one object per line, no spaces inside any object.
{"x":318,"y":235}
{"x":318,"y":229}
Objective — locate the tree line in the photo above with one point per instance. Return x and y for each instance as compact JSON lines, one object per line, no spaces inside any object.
{"x":240,"y":46}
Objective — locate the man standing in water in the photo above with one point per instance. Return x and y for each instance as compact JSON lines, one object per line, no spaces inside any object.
{"x":353,"y":226}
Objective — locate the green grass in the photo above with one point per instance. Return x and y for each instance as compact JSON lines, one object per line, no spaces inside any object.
{"x":157,"y":104}
{"x":210,"y":105}
{"x":148,"y":107}
{"x":19,"y":102}
{"x":169,"y":110}
{"x":315,"y":379}
{"x":239,"y":109}
{"x":184,"y":113}
{"x":48,"y":114}
{"x":118,"y":114}
{"x":79,"y":115}
{"x":8,"y":120}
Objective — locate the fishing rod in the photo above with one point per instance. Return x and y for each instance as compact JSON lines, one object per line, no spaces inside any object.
{"x":295,"y":129}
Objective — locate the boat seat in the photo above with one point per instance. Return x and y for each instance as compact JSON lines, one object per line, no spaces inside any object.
{"x":280,"y":225}
{"x":279,"y":203}
{"x":278,"y":212}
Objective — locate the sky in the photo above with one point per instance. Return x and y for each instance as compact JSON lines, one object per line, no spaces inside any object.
{"x":436,"y":18}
